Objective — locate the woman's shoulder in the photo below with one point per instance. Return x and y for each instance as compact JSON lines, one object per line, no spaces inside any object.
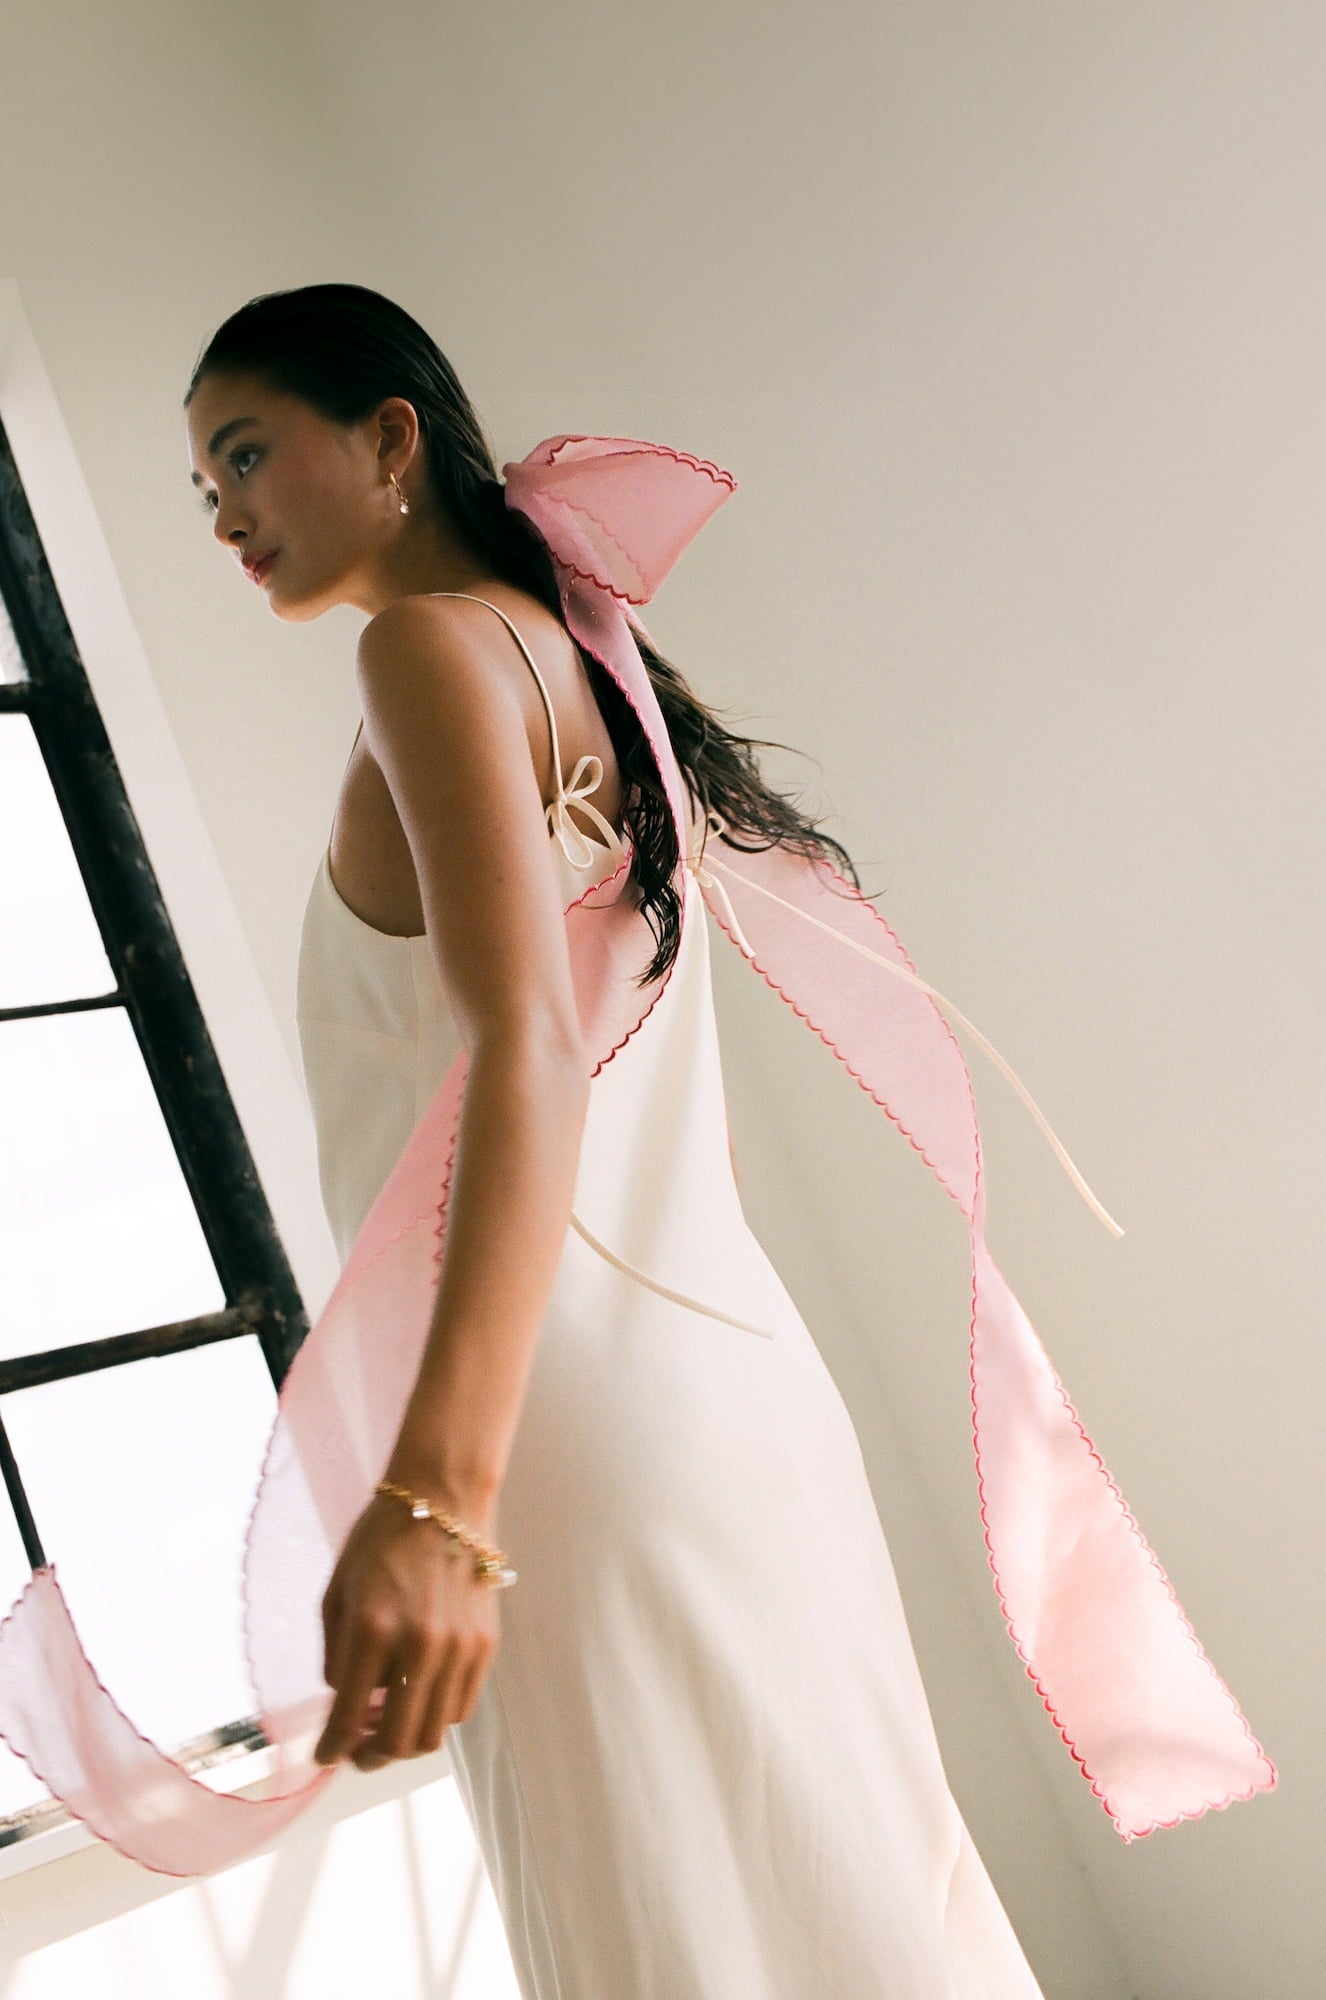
{"x":457,"y":616}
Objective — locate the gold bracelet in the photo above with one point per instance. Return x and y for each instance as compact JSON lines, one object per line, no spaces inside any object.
{"x":489,"y":1564}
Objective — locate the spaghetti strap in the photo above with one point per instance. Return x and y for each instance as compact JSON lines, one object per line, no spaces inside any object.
{"x":580,"y":850}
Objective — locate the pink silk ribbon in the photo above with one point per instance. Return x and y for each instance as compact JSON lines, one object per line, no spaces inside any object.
{"x":1089,"y":1609}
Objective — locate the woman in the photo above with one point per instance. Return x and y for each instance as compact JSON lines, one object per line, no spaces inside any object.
{"x":695,"y":1747}
{"x":697,"y":1752}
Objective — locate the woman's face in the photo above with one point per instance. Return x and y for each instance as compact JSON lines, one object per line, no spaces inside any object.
{"x":276,"y":475}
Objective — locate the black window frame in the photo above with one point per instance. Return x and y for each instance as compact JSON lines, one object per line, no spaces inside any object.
{"x":153,"y":986}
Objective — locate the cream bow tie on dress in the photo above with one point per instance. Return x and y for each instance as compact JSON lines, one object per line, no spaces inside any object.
{"x":586,"y":778}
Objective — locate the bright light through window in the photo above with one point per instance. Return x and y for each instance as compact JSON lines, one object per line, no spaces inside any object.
{"x":98,"y":1232}
{"x":50,"y":947}
{"x":140,"y":1472}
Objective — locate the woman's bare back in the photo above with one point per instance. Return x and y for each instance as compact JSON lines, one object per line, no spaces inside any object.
{"x":368,"y":854}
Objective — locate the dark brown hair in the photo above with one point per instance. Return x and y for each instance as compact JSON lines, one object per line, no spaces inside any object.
{"x":344,"y":349}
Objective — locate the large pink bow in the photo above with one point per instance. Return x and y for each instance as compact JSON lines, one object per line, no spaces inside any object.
{"x":1089,"y":1609}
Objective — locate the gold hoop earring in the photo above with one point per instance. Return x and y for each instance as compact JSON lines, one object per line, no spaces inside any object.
{"x":405,"y":505}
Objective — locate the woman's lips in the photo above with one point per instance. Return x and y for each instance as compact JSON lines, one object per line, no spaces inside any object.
{"x":259,"y":570}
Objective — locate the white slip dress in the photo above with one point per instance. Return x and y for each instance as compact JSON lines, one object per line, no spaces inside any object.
{"x":702,"y":1765}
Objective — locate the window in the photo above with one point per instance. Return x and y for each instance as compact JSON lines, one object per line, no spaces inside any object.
{"x":147,"y":1309}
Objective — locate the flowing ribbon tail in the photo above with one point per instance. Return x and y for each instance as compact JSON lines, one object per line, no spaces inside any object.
{"x":338,"y":1413}
{"x":60,"y":1718}
{"x":1089,"y":1609}
{"x":343,"y":1397}
{"x":900,"y":971}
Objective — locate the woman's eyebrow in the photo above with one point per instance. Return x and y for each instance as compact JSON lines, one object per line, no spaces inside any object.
{"x":218,"y":438}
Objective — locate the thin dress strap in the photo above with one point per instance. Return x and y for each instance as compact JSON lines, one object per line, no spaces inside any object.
{"x":587,"y":776}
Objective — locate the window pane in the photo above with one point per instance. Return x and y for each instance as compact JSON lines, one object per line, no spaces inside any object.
{"x":98,"y":1234}
{"x":50,"y":947}
{"x":11,"y":665}
{"x":19,"y":1784}
{"x":141,"y":1480}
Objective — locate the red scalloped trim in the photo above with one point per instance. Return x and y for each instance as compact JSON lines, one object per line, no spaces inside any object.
{"x":832,"y":1046}
{"x":1206,"y":1806}
{"x":622,"y":596}
{"x":645,"y":731}
{"x":179,"y":1874}
{"x":589,"y":576}
{"x":977,"y":1234}
{"x":643,"y":447}
{"x":440,"y":1210}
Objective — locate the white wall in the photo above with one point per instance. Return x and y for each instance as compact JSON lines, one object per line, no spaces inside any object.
{"x":1008,"y":318}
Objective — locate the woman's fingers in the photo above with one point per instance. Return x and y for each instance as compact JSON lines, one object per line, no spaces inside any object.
{"x":331,"y":1619}
{"x":416,"y":1714}
{"x":378,"y":1635}
{"x":415,"y":1673}
{"x":358,"y":1666}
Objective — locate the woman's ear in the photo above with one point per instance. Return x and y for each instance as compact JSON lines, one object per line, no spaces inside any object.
{"x":397,"y":431}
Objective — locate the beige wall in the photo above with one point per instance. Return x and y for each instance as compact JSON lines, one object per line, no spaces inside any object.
{"x":1008,"y":318}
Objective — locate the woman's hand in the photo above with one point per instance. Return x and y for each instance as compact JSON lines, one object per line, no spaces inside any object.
{"x":405,"y":1612}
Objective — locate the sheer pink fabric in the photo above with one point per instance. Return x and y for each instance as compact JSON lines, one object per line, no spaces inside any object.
{"x":1089,"y":1609}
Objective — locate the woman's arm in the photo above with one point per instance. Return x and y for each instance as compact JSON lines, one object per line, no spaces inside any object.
{"x":512,"y":1183}
{"x":445,"y":717}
